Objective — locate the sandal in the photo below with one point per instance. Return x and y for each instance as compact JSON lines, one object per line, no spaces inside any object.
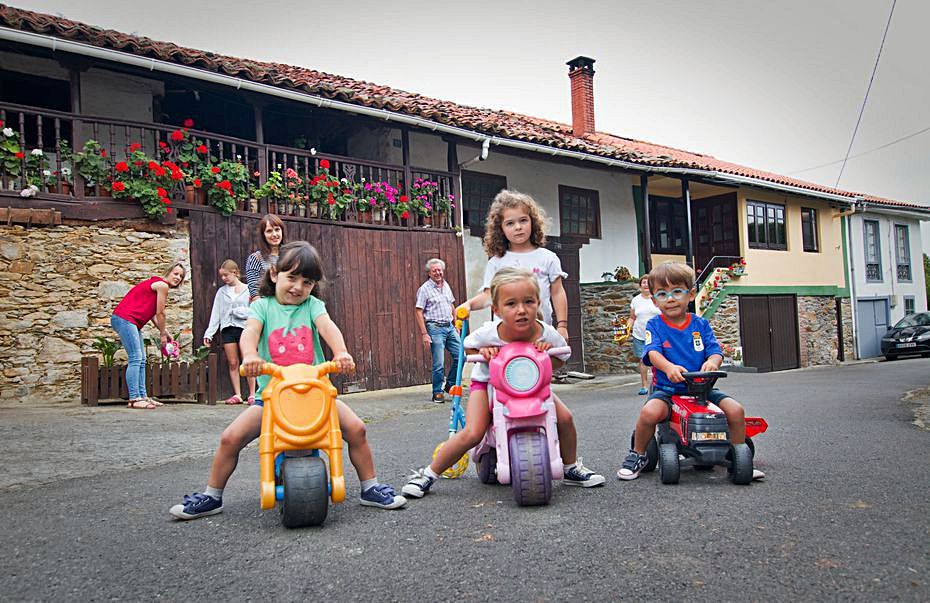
{"x":155,"y":401}
{"x":251,"y":400}
{"x":141,"y":403}
{"x":234,"y":399}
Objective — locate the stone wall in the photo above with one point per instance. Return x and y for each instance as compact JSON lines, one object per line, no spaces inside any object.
{"x":725,"y":321}
{"x":817,"y":327}
{"x":601,"y":304}
{"x":849,"y":347}
{"x":58,"y":288}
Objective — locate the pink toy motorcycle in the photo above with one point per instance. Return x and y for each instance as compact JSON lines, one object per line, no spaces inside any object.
{"x":521,"y":446}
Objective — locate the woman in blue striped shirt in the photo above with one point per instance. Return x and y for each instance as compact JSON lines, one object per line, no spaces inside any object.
{"x":270,"y":238}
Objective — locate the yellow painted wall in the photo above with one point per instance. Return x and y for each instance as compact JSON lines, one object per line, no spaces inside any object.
{"x":794,"y":266}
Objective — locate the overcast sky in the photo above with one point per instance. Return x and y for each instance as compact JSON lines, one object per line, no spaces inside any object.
{"x":774,"y":85}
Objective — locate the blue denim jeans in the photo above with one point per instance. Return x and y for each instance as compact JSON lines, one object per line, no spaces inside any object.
{"x":444,"y":338}
{"x":132,"y":340}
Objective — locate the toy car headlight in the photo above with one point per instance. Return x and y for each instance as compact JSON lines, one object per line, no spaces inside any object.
{"x":521,"y":374}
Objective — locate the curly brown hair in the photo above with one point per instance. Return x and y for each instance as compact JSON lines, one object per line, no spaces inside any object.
{"x":495,"y":243}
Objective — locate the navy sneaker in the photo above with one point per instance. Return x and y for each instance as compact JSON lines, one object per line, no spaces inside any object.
{"x":418,"y":484}
{"x":383,"y":497}
{"x":632,"y":465}
{"x":197,"y":505}
{"x":579,"y":475}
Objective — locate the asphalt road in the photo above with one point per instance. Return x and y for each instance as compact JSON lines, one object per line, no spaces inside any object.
{"x":842,"y":515}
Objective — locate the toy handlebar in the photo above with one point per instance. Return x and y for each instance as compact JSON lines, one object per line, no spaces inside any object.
{"x":705,"y":375}
{"x":270,"y":368}
{"x":551,"y":351}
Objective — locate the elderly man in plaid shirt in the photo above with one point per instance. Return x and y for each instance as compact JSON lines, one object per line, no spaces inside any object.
{"x":435,"y":307}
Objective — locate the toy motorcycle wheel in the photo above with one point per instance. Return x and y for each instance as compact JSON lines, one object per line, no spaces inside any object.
{"x":740,"y":464}
{"x":669,"y":467}
{"x":652,"y":453}
{"x":752,"y":446}
{"x":306,"y":491}
{"x":456,"y":470}
{"x":487,"y":467}
{"x":530,"y":474}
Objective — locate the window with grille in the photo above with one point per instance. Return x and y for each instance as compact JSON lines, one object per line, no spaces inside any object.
{"x":809,"y":229}
{"x":478,"y":190}
{"x":766,"y":224}
{"x":579,"y":212}
{"x":873,"y":251}
{"x":668,"y":227}
{"x":902,"y":251}
{"x":908,"y":305}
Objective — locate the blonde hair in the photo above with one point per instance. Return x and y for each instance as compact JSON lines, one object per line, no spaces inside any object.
{"x":230,"y":266}
{"x":495,"y":243}
{"x":670,"y":273}
{"x":172,"y":267}
{"x":508,"y":276}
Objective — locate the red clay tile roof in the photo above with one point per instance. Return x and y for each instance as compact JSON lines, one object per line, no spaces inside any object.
{"x":499,"y":123}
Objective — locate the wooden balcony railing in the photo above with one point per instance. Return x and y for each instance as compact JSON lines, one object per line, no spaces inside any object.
{"x":59,"y":135}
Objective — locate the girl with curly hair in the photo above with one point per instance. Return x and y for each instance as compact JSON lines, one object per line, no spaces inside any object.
{"x":514,"y":237}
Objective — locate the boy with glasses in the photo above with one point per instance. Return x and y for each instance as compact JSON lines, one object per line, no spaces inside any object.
{"x":677,"y":342}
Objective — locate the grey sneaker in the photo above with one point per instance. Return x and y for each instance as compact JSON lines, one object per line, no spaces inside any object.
{"x":418,"y":484}
{"x":632,"y":465}
{"x":579,"y":475}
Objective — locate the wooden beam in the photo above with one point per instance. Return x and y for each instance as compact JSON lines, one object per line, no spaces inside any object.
{"x":29,"y":216}
{"x":686,"y":196}
{"x":647,"y":227}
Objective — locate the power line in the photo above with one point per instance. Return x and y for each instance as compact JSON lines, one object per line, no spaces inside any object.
{"x":866,"y":99}
{"x":878,"y":148}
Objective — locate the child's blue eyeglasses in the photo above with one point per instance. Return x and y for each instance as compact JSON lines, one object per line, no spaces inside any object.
{"x":662,"y":296}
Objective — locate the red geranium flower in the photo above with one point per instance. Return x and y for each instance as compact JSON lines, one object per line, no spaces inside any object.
{"x":122,"y":166}
{"x":224,"y":184}
{"x":404,"y":198}
{"x":153,"y":165}
{"x":134,"y":147}
{"x":177,"y":175}
{"x":177,"y":136}
{"x":324,"y":164}
{"x":163,"y":144}
{"x":197,"y":182}
{"x":20,"y":155}
{"x":103,"y":152}
{"x":202,"y":149}
{"x":330,"y":199}
{"x":166,"y":201}
{"x":183,"y":164}
{"x":170,"y":210}
{"x":118,"y":187}
{"x":405,"y":215}
{"x":215,"y":170}
{"x":162,"y":192}
{"x":159,"y":171}
{"x":188,"y":123}
{"x":138,"y":162}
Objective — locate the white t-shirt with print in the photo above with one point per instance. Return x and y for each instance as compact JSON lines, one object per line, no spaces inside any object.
{"x":488,"y":336}
{"x":644,"y":309}
{"x":544,"y":264}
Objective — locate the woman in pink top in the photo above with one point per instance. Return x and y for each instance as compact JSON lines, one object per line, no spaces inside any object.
{"x":145,"y":302}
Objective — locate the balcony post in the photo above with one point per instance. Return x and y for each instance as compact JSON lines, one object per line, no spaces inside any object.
{"x":647,"y":227}
{"x":260,"y":139}
{"x":77,"y":140}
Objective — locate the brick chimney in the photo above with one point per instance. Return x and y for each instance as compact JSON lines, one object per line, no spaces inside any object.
{"x":581,"y":75}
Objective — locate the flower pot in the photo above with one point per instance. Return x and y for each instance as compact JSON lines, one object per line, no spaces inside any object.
{"x":365,"y":217}
{"x":440,"y":220}
{"x":313,"y":210}
{"x":300,"y":210}
{"x":377,"y":216}
{"x":60,"y":188}
{"x":194,"y":195}
{"x":252,"y":205}
{"x":426,"y":221}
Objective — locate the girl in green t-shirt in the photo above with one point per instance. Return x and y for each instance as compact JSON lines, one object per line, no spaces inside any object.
{"x":284,"y":327}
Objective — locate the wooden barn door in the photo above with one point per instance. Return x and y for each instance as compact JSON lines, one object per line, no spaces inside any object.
{"x":372,"y":273}
{"x":568,"y":252}
{"x":769,"y":331}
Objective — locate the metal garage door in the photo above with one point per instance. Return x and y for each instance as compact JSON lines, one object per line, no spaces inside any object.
{"x":872,"y":322}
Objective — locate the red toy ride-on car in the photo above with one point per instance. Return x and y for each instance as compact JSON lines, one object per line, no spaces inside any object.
{"x":698,"y":430}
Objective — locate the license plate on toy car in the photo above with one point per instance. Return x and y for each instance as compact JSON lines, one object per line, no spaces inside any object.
{"x":912,"y":344}
{"x":710,"y":435}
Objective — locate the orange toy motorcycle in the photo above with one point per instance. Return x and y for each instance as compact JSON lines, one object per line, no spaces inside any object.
{"x":299,"y":419}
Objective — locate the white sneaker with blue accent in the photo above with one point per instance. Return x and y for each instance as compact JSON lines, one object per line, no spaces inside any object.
{"x":579,"y":475}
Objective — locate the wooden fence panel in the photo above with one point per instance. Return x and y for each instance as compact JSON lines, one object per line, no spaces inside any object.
{"x":373,"y":275}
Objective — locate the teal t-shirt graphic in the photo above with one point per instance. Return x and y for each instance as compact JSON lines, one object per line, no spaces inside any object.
{"x":288,"y":333}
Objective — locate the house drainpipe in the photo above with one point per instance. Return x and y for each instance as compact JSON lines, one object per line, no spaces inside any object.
{"x":858,"y":206}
